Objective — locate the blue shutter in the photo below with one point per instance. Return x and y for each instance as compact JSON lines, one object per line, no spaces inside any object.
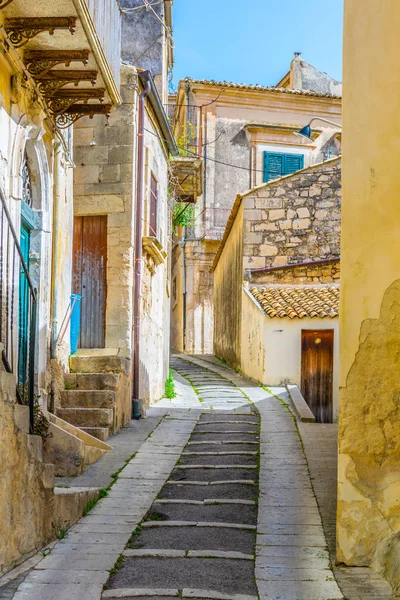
{"x":293,"y":162}
{"x":277,"y":164}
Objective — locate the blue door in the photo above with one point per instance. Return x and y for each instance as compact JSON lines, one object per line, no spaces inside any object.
{"x":23,"y":313}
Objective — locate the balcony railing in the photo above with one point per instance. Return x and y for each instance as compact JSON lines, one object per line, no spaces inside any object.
{"x":18,"y":310}
{"x":106,"y":15}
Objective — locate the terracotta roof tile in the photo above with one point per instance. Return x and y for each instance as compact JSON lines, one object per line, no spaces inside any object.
{"x":299,"y":302}
{"x":261,"y":88}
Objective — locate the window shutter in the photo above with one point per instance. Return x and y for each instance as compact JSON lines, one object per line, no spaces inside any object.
{"x":293,"y":162}
{"x":277,"y":164}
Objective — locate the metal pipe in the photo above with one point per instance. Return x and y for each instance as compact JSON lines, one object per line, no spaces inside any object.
{"x":138,"y":249}
{"x":324,"y":261}
{"x":183,"y":243}
{"x":55,"y":253}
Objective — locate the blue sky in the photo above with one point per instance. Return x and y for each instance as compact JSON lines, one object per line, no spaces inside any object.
{"x":253,"y":41}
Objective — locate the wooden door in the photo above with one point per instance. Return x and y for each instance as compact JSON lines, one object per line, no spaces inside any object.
{"x":89,"y":278}
{"x":317,"y":372}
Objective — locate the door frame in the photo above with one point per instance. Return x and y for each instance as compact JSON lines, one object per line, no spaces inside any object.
{"x":321,"y":331}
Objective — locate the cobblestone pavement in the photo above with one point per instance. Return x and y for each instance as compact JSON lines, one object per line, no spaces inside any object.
{"x":216,"y":504}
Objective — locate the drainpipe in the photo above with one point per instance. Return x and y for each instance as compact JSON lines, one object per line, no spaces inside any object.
{"x":138,"y":252}
{"x":183,"y":244}
{"x":54,"y":253}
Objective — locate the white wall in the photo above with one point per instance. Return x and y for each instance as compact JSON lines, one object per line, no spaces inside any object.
{"x":155,"y":328}
{"x":282,"y":343}
{"x":271,"y":348}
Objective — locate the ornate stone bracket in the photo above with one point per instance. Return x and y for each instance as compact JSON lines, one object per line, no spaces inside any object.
{"x":53,"y":81}
{"x":20,"y":31}
{"x":61,"y":101}
{"x":155,"y":255}
{"x":77,"y":111}
{"x":39,"y":62}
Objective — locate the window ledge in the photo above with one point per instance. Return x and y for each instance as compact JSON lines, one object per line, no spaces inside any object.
{"x":154,"y":251}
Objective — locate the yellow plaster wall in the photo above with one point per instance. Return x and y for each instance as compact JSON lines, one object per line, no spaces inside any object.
{"x":228,"y":278}
{"x":369,"y":430}
{"x":252,"y":338}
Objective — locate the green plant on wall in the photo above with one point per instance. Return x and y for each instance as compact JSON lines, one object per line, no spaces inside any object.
{"x":41,"y":424}
{"x":186,"y":140}
{"x":183,"y":215}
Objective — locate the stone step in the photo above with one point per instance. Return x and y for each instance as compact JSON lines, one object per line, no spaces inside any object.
{"x":87,"y":417}
{"x":88,"y":399}
{"x":91,"y":381}
{"x":232,"y":577}
{"x":101,"y":433}
{"x":97,"y":361}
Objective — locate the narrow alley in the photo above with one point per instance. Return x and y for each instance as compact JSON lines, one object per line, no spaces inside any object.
{"x":216,"y":503}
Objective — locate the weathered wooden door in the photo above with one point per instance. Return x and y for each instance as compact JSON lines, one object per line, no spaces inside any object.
{"x":317,"y":372}
{"x":89,"y":277}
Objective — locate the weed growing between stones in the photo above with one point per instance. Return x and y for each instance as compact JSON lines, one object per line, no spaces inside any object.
{"x":60,"y":532}
{"x":118,"y":564}
{"x":92,"y":503}
{"x":170,"y":387}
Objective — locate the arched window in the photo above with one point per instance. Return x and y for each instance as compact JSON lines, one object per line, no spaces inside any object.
{"x":26,"y":182}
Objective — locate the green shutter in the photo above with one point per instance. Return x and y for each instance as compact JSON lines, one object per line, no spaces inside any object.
{"x":277,"y":164}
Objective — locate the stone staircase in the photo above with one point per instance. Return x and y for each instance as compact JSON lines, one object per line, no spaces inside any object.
{"x":91,"y":396}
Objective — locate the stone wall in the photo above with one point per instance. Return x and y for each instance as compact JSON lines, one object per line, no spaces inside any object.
{"x":293,"y":220}
{"x":26,"y":483}
{"x":325,"y":273}
{"x":105,"y":183}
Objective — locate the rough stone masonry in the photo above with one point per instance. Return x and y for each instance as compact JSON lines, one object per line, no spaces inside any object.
{"x":293,"y":220}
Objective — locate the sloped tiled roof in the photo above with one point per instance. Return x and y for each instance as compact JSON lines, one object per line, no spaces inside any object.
{"x":298,"y":302}
{"x":257,"y":87}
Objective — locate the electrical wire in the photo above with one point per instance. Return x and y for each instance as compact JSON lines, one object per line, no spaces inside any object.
{"x":137,"y":8}
{"x":224,"y":163}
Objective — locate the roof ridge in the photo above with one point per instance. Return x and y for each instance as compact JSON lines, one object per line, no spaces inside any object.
{"x":259,"y":87}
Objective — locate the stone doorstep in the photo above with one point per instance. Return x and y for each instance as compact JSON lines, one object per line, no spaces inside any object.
{"x":186,"y":594}
{"x":303,"y":410}
{"x":217,"y":525}
{"x":165,"y":553}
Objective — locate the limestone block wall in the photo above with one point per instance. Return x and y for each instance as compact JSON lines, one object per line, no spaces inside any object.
{"x":293,"y":220}
{"x":104,"y":183}
{"x":199,"y":256}
{"x":26,"y":483}
{"x":156,"y":279}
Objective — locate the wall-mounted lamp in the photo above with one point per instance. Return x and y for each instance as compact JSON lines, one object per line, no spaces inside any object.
{"x":306,"y":132}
